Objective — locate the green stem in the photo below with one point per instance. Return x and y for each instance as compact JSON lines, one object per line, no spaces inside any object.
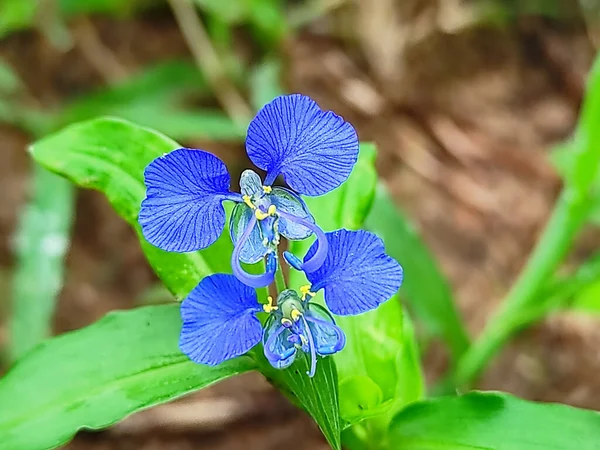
{"x":279,"y":278}
{"x":566,"y":220}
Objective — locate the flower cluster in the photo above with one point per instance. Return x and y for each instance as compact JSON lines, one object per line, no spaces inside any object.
{"x":315,"y":152}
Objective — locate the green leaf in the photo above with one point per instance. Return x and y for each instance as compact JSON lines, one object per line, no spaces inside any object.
{"x":318,"y":396}
{"x":41,"y":243}
{"x":9,"y":80}
{"x":265,"y":82}
{"x":493,"y":421}
{"x":19,"y":14}
{"x":158,"y":97}
{"x":424,"y":286}
{"x":110,"y":155}
{"x":96,"y":376}
{"x":368,"y":366}
{"x":586,"y":167}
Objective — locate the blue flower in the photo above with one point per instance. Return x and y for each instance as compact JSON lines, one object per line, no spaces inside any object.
{"x":219,"y":315}
{"x":314,"y":150}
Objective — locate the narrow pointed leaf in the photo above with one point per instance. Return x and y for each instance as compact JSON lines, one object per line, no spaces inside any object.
{"x":41,"y":243}
{"x":96,"y":376}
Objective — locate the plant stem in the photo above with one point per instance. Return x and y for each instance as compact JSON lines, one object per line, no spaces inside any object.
{"x":566,"y":220}
{"x":279,"y":278}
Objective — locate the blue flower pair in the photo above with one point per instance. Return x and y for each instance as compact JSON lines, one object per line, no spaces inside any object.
{"x":219,"y":315}
{"x":314,"y":150}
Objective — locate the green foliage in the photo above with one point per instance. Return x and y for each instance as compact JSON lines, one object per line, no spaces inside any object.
{"x":110,"y":155}
{"x":318,"y":396}
{"x":158,"y":97}
{"x":41,"y":243}
{"x":493,"y":421}
{"x":96,"y":376}
{"x":18,"y":14}
{"x":424,"y":286}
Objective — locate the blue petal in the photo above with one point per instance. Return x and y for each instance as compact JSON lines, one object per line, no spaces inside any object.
{"x":285,"y":200}
{"x":219,"y":320}
{"x":313,"y":149}
{"x":357,"y":275}
{"x":253,"y":249}
{"x":182,"y":211}
{"x":329,"y":338}
{"x":278,"y":346}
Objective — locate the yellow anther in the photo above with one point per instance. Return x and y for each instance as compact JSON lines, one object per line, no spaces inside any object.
{"x":270,"y":306}
{"x":260,"y":215}
{"x":286,"y":322}
{"x":303,"y":339}
{"x":295,"y":315}
{"x":248,"y":201}
{"x":267,"y":189}
{"x":305,"y":291}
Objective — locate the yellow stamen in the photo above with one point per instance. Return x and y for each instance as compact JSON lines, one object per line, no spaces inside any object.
{"x":248,"y":201}
{"x":260,"y":215}
{"x":305,"y":291}
{"x":270,"y":306}
{"x":295,"y":315}
{"x":286,"y":322}
{"x":267,"y":189}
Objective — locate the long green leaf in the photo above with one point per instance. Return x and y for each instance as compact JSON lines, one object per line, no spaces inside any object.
{"x":493,"y":421}
{"x":42,"y":240}
{"x":93,"y":377}
{"x":424,"y":287}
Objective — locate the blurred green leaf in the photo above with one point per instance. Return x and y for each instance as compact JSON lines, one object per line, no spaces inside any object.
{"x":588,"y":299}
{"x":18,"y":14}
{"x":578,"y":160}
{"x":110,"y":155}
{"x":425,"y":288}
{"x":159,"y":98}
{"x":231,"y":12}
{"x":9,"y":80}
{"x":369,"y":366}
{"x":96,"y":376}
{"x":41,"y":243}
{"x":265,"y":83}
{"x":493,"y":421}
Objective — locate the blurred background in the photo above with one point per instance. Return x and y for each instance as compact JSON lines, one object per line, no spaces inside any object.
{"x":465,"y":99}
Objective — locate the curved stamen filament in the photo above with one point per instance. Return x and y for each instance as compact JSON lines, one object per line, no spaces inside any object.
{"x":318,"y":258}
{"x":254,"y":281}
{"x":312,"y":349}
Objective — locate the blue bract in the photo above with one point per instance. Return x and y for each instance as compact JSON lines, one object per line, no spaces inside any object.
{"x":219,"y":315}
{"x":314,"y":150}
